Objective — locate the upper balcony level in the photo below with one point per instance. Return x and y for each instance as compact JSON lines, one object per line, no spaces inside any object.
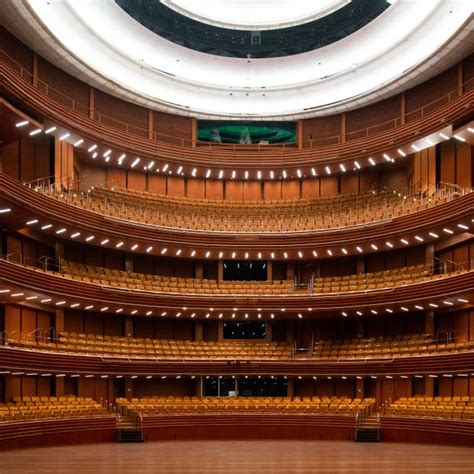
{"x":58,"y":100}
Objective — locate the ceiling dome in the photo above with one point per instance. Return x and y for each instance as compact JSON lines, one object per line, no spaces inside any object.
{"x":98,"y":42}
{"x":255,"y":14}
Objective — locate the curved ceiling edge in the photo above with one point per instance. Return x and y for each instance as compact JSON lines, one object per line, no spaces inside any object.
{"x":18,"y":17}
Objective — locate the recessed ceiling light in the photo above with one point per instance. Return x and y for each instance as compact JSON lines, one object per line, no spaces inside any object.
{"x":22,"y":123}
{"x":64,"y":136}
{"x":34,"y":221}
{"x":372,"y":162}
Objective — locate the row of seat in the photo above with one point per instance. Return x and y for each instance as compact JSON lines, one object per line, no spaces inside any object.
{"x":220,"y":405}
{"x":355,"y":349}
{"x":30,"y":408}
{"x":149,"y":282}
{"x":255,"y":216}
{"x":443,"y":407}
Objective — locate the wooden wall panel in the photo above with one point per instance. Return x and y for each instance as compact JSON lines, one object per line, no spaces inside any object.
{"x":196,"y":188}
{"x":12,"y":387}
{"x":171,"y":128}
{"x":447,"y":162}
{"x":290,"y":189}
{"x":176,"y":186}
{"x":350,"y":183}
{"x":136,"y":180}
{"x":9,"y":156}
{"x":252,"y":190}
{"x":28,"y":322}
{"x":114,"y":111}
{"x":322,"y":130}
{"x":214,"y":189}
{"x":116,"y":177}
{"x":157,"y":184}
{"x":16,"y":50}
{"x":63,"y":87}
{"x":464,"y":168}
{"x":13,"y":321}
{"x":431,"y":94}
{"x":310,"y":188}
{"x":272,"y":190}
{"x":329,"y":186}
{"x":383,"y":115}
{"x":234,"y":190}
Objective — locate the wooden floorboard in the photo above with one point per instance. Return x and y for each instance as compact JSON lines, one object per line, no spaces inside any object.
{"x":241,"y":457}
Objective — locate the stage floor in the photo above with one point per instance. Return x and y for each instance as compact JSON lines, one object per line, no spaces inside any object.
{"x":280,"y":457}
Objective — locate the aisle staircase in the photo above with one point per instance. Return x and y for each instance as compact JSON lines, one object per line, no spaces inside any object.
{"x":368,"y":430}
{"x":128,"y":431}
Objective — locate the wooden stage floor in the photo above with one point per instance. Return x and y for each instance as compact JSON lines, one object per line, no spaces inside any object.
{"x":229,"y":457}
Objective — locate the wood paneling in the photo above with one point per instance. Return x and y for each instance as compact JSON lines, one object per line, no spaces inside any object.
{"x":329,"y":186}
{"x":136,"y":180}
{"x":252,"y":190}
{"x":176,"y":186}
{"x":214,"y":189}
{"x":116,"y":177}
{"x":196,"y":188}
{"x":272,"y":190}
{"x":310,"y":188}
{"x":290,"y":189}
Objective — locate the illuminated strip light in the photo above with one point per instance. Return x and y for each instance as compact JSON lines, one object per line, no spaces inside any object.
{"x":135,"y":163}
{"x":34,"y":221}
{"x":92,"y":148}
{"x":443,"y":135}
{"x":6,"y":210}
{"x":328,"y":170}
{"x":22,"y":123}
{"x":64,"y":136}
{"x":193,"y":173}
{"x":401,"y":152}
{"x":372,"y":162}
{"x":79,"y":142}
{"x":35,"y":132}
{"x":458,"y":137}
{"x":107,"y":153}
{"x":357,"y":165}
{"x":386,"y":157}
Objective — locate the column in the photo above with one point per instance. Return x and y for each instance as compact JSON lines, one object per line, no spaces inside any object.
{"x":360,"y":388}
{"x":291,"y":387}
{"x":198,"y":331}
{"x":360,"y":264}
{"x":128,"y":388}
{"x":220,"y":270}
{"x":129,"y":327}
{"x":269,"y":270}
{"x":199,"y":270}
{"x":268,"y":331}
{"x":129,"y":263}
{"x":220,"y":330}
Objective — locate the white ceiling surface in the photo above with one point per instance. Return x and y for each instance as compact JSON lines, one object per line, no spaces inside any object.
{"x":255,"y":14}
{"x":96,"y":41}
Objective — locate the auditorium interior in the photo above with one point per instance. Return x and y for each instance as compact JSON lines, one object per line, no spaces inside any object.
{"x":236,"y":236}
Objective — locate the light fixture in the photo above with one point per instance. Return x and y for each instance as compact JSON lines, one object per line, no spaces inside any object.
{"x":105,"y":308}
{"x":121,"y":158}
{"x":344,"y":251}
{"x":91,"y":237}
{"x":329,"y":252}
{"x":134,"y":247}
{"x":180,"y":170}
{"x":462,"y":226}
{"x":417,"y":306}
{"x":443,"y":135}
{"x":401,"y":152}
{"x":135,"y":162}
{"x":374,"y":246}
{"x":64,"y":136}
{"x":91,"y":306}
{"x":458,"y":137}
{"x":76,"y":234}
{"x":91,"y":149}
{"x":315,"y":253}
{"x":208,"y":173}
{"x":357,"y":165}
{"x":404,"y":309}
{"x":435,"y":236}
{"x":46,"y":300}
{"x":193,"y":253}
{"x":149,"y":249}
{"x":298,"y":172}
{"x":149,"y":313}
{"x":313,"y":172}
{"x":107,"y":153}
{"x":119,"y":245}
{"x":22,"y":123}
{"x":6,"y":210}
{"x":404,"y":241}
{"x":415,"y":147}
{"x":284,"y":174}
{"x":448,"y":231}
{"x":300,"y":254}
{"x":163,"y":251}
{"x":359,"y":249}
{"x":35,"y":132}
{"x":104,"y":242}
{"x":389,"y":244}
{"x":371,"y":161}
{"x":328,"y":170}
{"x":47,"y":226}
{"x":343,"y":168}
{"x":34,"y":221}
{"x":193,"y":172}
{"x":420,"y":239}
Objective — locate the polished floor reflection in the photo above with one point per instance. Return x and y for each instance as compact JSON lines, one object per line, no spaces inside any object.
{"x":240,"y":457}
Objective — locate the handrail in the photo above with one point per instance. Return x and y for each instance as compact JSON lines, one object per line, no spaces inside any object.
{"x":84,"y":109}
